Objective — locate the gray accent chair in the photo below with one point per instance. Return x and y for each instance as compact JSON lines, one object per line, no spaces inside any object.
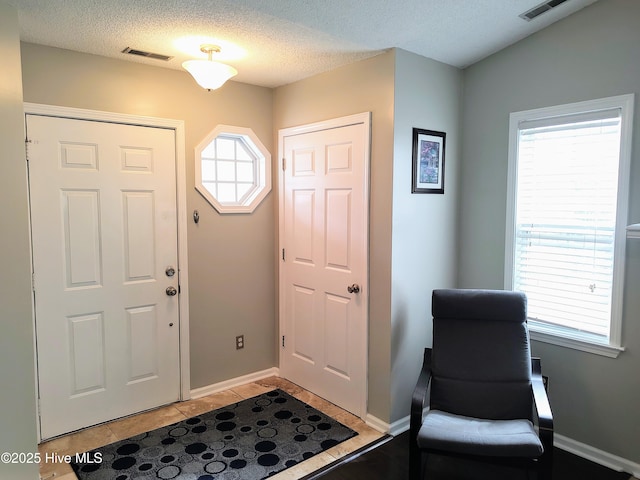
{"x":484,"y":393}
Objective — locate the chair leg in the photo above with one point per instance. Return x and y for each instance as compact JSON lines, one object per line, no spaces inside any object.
{"x":417,"y":471}
{"x":545,"y":468}
{"x":415,"y":462}
{"x":546,"y":471}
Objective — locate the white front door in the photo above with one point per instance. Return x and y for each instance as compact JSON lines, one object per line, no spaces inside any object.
{"x":104,"y":230}
{"x":324,"y":263}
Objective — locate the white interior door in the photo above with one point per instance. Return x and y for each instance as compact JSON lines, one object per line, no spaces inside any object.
{"x":324,"y":265}
{"x":104,"y":227}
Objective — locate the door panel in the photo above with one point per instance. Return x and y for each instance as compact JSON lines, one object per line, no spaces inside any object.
{"x":337,"y":344}
{"x":324,"y":209}
{"x":303,"y":205}
{"x":338,"y":233}
{"x":303,"y":323}
{"x":139,"y":236}
{"x":142,"y":323}
{"x":86,"y":341}
{"x":104,"y":228}
{"x":82,"y":253}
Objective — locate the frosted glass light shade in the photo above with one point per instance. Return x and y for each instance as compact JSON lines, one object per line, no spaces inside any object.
{"x":209,"y":74}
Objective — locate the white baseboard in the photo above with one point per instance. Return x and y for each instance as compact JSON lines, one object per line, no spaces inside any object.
{"x":376,"y":423}
{"x":402,"y":425}
{"x":393,"y":429}
{"x":234,"y":382}
{"x":399,"y":426}
{"x":600,"y":457}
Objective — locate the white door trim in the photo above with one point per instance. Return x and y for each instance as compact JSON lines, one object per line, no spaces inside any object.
{"x":359,"y":118}
{"x":181,"y":193}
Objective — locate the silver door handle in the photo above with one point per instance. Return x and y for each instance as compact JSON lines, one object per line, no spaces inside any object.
{"x":171,"y":291}
{"x":355,"y":288}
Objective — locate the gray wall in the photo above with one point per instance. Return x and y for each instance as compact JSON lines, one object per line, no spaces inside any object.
{"x":231,"y":257}
{"x":427,"y":95}
{"x":17,"y":395}
{"x":592,"y":54}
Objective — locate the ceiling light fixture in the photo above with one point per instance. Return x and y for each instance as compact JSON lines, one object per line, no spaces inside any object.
{"x":207,"y":73}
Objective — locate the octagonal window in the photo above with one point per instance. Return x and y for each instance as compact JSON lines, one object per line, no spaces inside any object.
{"x":233,"y":169}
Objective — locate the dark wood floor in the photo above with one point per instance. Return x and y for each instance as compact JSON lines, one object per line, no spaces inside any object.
{"x":390,"y":461}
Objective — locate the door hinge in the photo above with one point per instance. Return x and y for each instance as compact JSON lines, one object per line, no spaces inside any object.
{"x":33,"y":281}
{"x":282,"y":341}
{"x":26,"y":148}
{"x":283,"y":255}
{"x":284,"y":164}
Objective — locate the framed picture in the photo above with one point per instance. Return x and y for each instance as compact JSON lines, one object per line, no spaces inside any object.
{"x":427,"y":174}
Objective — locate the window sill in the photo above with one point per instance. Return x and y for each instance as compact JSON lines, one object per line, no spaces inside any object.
{"x":544,"y":335}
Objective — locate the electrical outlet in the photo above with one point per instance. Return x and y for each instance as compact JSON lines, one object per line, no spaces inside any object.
{"x":239,"y":342}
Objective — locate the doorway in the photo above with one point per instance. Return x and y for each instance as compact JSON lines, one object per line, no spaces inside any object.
{"x":109,"y":261}
{"x":324,"y":211}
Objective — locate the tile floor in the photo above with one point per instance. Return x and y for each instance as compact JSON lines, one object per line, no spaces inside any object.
{"x":104,"y":434}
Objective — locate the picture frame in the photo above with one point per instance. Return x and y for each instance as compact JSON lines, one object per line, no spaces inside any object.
{"x":427,"y":173}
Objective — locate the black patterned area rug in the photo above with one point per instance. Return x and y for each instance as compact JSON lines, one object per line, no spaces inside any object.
{"x":249,"y":440}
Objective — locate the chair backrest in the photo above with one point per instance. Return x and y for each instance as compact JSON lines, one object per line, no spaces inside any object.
{"x":481,"y":363}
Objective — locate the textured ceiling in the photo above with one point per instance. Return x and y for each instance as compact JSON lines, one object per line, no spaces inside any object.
{"x":276,"y":42}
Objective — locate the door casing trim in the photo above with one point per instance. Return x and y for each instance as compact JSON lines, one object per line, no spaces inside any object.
{"x":364,"y":118}
{"x":181,"y":210}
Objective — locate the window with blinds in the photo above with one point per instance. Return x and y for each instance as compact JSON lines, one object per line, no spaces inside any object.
{"x":565,"y":218}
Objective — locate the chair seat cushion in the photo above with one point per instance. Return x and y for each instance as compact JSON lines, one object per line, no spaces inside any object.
{"x":473,"y":436}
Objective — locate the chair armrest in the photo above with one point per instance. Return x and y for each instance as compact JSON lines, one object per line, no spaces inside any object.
{"x":541,"y":405}
{"x":419,"y":398}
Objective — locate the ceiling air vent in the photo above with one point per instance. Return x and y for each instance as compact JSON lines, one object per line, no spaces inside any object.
{"x":540,"y":9}
{"x":141,"y":53}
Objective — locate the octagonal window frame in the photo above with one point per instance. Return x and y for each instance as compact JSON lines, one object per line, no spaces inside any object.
{"x":254,"y":152}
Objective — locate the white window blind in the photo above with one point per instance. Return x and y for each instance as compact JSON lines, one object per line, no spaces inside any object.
{"x":566,"y":198}
{"x":567,"y":206}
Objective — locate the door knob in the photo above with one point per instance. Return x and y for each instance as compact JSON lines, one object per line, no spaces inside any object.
{"x":355,"y":288}
{"x":171,"y":291}
{"x":170,"y":271}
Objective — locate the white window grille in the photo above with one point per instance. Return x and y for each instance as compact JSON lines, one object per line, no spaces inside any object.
{"x":233,"y":169}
